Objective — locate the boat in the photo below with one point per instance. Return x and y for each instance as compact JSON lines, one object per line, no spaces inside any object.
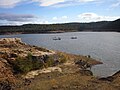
{"x":73,"y":37}
{"x":56,"y":38}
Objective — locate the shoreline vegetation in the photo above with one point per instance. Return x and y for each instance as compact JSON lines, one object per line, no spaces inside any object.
{"x":102,"y":26}
{"x":26,"y":67}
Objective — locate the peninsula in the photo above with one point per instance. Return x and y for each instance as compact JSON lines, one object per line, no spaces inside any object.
{"x":27,"y":67}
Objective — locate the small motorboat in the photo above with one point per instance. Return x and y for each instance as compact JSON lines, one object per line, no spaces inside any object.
{"x":56,"y":38}
{"x":73,"y":37}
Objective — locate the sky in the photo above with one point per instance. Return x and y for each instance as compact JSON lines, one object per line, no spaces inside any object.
{"x":18,"y":12}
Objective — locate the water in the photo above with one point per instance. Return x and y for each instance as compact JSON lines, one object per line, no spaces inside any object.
{"x":104,"y":46}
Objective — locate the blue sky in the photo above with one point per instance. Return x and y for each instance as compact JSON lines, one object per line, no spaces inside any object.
{"x":17,"y":12}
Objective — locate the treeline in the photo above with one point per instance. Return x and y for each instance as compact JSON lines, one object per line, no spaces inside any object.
{"x":66,"y":27}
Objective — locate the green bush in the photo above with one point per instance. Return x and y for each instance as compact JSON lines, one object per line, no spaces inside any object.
{"x":50,"y":61}
{"x":36,"y":64}
{"x":62,"y":58}
{"x":29,"y":56}
{"x":28,"y":63}
{"x":56,"y":59}
{"x":24,"y":65}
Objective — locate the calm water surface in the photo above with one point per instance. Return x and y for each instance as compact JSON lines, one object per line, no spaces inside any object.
{"x":104,"y":46}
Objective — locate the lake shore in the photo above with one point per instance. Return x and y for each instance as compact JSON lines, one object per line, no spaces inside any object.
{"x":49,"y":32}
{"x":52,"y":32}
{"x":68,"y":73}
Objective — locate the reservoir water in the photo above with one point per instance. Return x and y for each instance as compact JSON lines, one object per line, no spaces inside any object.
{"x":103,"y":46}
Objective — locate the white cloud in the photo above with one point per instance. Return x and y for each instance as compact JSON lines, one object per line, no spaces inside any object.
{"x":88,"y":16}
{"x":61,"y":3}
{"x":9,"y":3}
{"x":55,"y":18}
{"x":92,"y":17}
{"x":59,"y":18}
{"x":3,"y":22}
{"x":54,"y":3}
{"x":16,"y":17}
{"x":43,"y":22}
{"x":48,"y":2}
{"x":19,"y":19}
{"x":86,"y":0}
{"x":116,"y":4}
{"x":64,"y":17}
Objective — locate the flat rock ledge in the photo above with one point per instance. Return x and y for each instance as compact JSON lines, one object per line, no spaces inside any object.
{"x":32,"y":74}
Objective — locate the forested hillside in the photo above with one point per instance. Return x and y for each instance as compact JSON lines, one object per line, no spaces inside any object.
{"x":66,"y":27}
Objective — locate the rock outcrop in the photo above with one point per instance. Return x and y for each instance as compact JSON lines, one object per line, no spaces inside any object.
{"x":10,"y":49}
{"x":6,"y":73}
{"x":15,"y":47}
{"x":10,"y":40}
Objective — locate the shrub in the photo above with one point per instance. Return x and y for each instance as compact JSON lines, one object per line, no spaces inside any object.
{"x":63,"y":57}
{"x":50,"y":61}
{"x":22,"y":65}
{"x":30,"y":62}
{"x":29,"y":56}
{"x":56,"y":59}
{"x":36,"y":64}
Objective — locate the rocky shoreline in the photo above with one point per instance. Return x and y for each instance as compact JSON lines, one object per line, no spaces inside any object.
{"x":29,"y":67}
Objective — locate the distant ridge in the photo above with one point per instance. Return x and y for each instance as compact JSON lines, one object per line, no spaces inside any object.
{"x":65,"y":27}
{"x":113,"y":25}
